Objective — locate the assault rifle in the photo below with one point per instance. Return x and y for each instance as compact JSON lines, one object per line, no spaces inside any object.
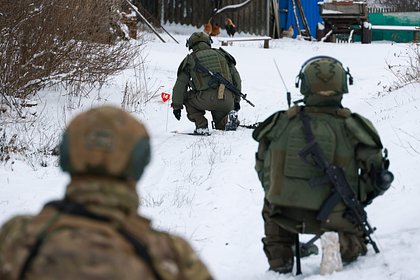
{"x":215,"y":76}
{"x":342,"y":190}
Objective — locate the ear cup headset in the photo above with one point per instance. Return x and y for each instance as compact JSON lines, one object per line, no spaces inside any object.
{"x":300,"y":76}
{"x":199,"y":35}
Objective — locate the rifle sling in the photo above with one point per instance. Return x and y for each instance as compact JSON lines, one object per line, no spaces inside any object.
{"x":328,"y":206}
{"x":216,"y":76}
{"x":321,"y":162}
{"x":77,"y":209}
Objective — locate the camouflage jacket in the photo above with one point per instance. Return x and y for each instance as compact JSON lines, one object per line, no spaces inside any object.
{"x":216,"y":60}
{"x":90,"y":235}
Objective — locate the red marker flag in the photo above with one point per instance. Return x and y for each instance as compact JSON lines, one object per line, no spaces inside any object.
{"x":165,"y":96}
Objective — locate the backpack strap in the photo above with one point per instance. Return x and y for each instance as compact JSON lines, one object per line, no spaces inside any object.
{"x":71,"y":208}
{"x":37,"y":245}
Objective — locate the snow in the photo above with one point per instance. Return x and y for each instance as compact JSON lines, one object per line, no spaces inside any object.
{"x":205,"y":188}
{"x":237,"y":6}
{"x":329,"y":12}
{"x":395,"y":27}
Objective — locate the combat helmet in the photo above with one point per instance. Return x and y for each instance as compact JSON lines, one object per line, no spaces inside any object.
{"x":198,"y":37}
{"x":105,"y":141}
{"x":324,"y":76}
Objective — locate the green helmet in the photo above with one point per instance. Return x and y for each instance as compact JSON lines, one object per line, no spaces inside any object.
{"x":105,"y":141}
{"x":198,"y":37}
{"x":323,"y":75}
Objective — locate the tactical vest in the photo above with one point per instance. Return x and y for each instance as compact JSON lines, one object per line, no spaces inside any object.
{"x":285,"y":176}
{"x":214,"y":61}
{"x":49,"y":236}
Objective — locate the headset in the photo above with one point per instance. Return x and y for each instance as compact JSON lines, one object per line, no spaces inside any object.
{"x":300,"y":75}
{"x":189,"y":43}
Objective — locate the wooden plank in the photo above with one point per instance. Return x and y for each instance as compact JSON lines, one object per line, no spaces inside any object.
{"x":276,"y":19}
{"x":238,"y":39}
{"x":266,"y":39}
{"x":145,"y":21}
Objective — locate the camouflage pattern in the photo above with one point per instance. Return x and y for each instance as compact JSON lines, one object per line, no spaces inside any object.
{"x":197,"y":91}
{"x":105,"y":141}
{"x":346,"y":139}
{"x":94,"y":244}
{"x":81,"y":248}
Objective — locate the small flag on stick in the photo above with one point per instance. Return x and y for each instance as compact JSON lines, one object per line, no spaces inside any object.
{"x":165,"y":96}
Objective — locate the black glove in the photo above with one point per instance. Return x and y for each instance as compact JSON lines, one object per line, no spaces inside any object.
{"x":236,"y":106}
{"x":177,"y":114}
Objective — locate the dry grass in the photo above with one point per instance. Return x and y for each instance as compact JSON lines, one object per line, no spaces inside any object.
{"x":70,"y":42}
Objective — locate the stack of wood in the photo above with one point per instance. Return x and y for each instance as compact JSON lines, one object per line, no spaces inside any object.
{"x":131,"y":21}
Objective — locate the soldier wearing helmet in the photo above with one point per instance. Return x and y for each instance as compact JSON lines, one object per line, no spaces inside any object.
{"x":295,"y":189}
{"x":199,"y":93}
{"x":95,"y":231}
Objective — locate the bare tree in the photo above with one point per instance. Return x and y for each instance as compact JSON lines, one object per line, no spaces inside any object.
{"x":45,"y":42}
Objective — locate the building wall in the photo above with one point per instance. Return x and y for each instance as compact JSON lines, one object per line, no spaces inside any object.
{"x":409,"y":18}
{"x":252,"y":18}
{"x":287,"y":15}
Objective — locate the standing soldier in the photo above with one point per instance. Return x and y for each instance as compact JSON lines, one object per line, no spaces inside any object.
{"x":308,"y":155}
{"x":95,"y":231}
{"x":199,"y":92}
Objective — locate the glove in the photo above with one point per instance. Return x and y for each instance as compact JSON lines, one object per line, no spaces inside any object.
{"x":177,"y":114}
{"x":236,"y":106}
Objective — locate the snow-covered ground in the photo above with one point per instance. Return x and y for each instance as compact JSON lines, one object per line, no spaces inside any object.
{"x":205,"y":188}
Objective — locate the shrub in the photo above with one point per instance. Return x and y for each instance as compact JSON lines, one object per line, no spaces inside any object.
{"x":47,"y":42}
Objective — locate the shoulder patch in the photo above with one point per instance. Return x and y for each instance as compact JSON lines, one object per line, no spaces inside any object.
{"x":344,"y":113}
{"x":264,"y":127}
{"x":292,"y":112}
{"x":363,"y":130}
{"x":227,"y":55}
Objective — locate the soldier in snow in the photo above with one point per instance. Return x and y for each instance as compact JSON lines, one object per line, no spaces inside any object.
{"x":308,"y":153}
{"x":199,"y":92}
{"x":95,"y":231}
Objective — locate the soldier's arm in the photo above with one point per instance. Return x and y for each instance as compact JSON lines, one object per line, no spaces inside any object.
{"x":262,"y":134}
{"x":191,"y":267}
{"x":236,"y":78}
{"x":181,"y":85}
{"x":237,"y":82}
{"x":369,"y":155}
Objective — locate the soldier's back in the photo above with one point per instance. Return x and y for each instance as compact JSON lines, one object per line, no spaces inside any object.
{"x":55,"y":246}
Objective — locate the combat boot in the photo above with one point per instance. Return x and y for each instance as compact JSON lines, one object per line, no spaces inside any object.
{"x":281,"y":266}
{"x":306,"y":250}
{"x":202,"y":131}
{"x":232,"y":122}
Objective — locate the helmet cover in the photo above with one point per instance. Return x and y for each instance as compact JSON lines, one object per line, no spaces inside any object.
{"x":105,"y":141}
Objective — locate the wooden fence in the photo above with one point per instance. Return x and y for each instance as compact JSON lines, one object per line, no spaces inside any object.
{"x":377,"y":10}
{"x":251,"y":18}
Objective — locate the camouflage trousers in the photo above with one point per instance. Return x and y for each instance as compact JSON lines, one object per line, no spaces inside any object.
{"x":281,"y":225}
{"x":197,"y":103}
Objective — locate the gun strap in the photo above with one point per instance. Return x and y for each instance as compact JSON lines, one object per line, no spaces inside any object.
{"x":313,"y":147}
{"x":77,"y":209}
